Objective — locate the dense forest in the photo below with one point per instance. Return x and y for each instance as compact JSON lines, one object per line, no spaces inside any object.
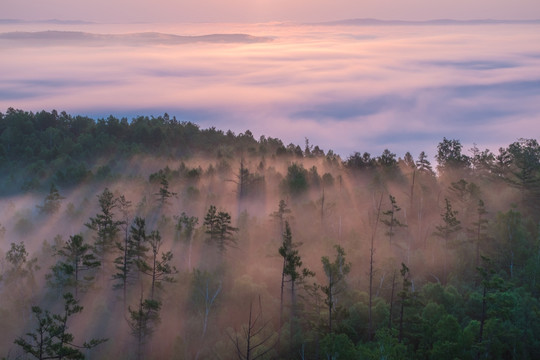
{"x":152,"y":238}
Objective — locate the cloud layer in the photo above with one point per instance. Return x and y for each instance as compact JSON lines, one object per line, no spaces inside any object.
{"x":346,"y":88}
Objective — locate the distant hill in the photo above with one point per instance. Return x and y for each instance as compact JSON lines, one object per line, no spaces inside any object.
{"x":144,"y":38}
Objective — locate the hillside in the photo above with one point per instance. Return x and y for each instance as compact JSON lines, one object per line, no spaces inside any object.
{"x":189,"y":243}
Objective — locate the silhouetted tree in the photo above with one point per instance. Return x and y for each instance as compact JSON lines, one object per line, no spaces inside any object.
{"x":78,"y":258}
{"x":218,"y":226}
{"x":335,"y":272}
{"x":255,"y":341}
{"x":292,"y":272}
{"x":158,"y":269}
{"x":51,"y":339}
{"x":104,"y":224}
{"x":142,"y":320}
{"x":391,"y":221}
{"x":51,"y":203}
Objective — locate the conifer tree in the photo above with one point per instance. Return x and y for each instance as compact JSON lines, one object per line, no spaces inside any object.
{"x":336,"y":272}
{"x":218,"y":227}
{"x":124,"y":262}
{"x":51,"y":339}
{"x":51,"y":203}
{"x":158,"y":269}
{"x":292,"y":272}
{"x":104,"y":224}
{"x":391,"y":220}
{"x":143,"y":320}
{"x":78,"y":258}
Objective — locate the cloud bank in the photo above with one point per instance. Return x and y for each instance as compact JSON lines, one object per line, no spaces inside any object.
{"x":346,"y":88}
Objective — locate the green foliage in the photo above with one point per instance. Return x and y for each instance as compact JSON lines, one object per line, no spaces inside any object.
{"x":391,"y":220}
{"x":158,"y":268}
{"x":51,"y":204}
{"x":449,"y":156}
{"x":450,"y":226}
{"x":77,"y":258}
{"x":218,"y":227}
{"x":338,"y":346}
{"x":142,"y":321}
{"x":336,"y":272}
{"x":104,"y":223}
{"x":296,"y":180}
{"x":51,"y":339}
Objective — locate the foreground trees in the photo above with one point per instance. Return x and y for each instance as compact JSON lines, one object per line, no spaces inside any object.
{"x":476,"y":205}
{"x":51,"y":339}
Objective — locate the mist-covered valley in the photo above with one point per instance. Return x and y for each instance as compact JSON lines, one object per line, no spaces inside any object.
{"x":187,"y":243}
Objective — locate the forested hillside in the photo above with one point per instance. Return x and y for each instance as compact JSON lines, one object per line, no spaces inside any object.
{"x":151,"y":238}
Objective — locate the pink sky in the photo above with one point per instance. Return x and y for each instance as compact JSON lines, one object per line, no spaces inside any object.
{"x":346,"y":88}
{"x":265,"y":10}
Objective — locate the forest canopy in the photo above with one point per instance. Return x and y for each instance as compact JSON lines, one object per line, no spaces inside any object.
{"x":153,"y":238}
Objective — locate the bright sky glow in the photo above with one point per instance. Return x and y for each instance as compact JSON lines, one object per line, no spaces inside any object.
{"x":265,"y":10}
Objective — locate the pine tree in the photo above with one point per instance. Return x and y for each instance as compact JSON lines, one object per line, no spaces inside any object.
{"x":336,"y":272}
{"x":51,"y":339}
{"x":391,"y":221}
{"x":142,"y":320}
{"x":218,"y":226}
{"x":158,"y":269}
{"x":105,"y":224}
{"x":292,"y":272}
{"x":51,"y":204}
{"x":78,"y":257}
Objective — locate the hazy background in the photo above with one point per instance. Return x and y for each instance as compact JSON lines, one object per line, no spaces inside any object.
{"x":346,"y":88}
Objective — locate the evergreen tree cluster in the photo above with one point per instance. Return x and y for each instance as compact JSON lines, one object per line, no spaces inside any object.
{"x":261,"y":251}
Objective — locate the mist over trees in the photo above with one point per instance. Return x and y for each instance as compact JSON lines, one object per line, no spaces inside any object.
{"x":188,"y":243}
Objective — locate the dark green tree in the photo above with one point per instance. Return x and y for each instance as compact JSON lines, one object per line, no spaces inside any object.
{"x":281,"y":215}
{"x":139,"y":238}
{"x":77,"y":258}
{"x":292,"y":273}
{"x":218,"y":227}
{"x":336,"y":272}
{"x":51,"y":339}
{"x":142,"y":320}
{"x":423,"y":165}
{"x":447,"y":230}
{"x":521,"y":161}
{"x":296,"y":180}
{"x":158,"y":269}
{"x":124,"y":262}
{"x":404,"y":296}
{"x":391,"y":220}
{"x":164,"y":194}
{"x":449,"y":156}
{"x":478,"y":231}
{"x":51,"y":203}
{"x":105,"y":224}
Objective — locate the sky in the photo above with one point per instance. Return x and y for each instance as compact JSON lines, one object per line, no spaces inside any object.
{"x":264,"y":10}
{"x":345,"y":88}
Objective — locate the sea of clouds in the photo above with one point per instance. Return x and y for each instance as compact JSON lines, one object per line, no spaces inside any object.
{"x":347,"y":88}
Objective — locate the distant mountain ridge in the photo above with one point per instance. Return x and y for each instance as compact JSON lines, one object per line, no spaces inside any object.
{"x":84,"y":38}
{"x":373,"y":22}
